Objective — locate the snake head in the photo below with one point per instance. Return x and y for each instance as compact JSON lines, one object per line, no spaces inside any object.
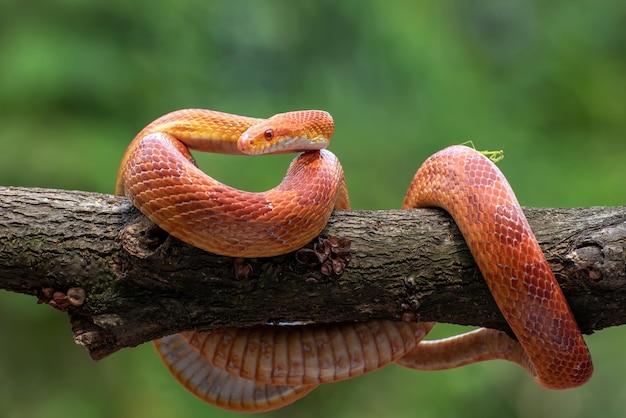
{"x":304,"y":130}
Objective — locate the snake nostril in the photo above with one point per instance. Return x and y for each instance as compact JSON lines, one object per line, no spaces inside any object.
{"x":243,"y":145}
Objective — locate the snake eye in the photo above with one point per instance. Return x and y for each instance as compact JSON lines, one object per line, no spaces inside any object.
{"x":269,"y":135}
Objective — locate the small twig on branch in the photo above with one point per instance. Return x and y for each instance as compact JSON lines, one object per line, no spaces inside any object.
{"x":124,"y":281}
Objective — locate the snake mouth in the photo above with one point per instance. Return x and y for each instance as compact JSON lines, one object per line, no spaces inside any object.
{"x":286,"y":144}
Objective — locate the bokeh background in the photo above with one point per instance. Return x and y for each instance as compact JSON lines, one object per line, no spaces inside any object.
{"x":544,"y":81}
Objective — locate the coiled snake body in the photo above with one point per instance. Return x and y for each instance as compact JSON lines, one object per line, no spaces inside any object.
{"x":264,"y":368}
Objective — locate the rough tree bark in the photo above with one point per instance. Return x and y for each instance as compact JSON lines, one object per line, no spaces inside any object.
{"x":124,"y":281}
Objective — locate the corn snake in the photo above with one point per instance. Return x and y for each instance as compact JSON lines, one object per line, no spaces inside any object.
{"x":264,"y":368}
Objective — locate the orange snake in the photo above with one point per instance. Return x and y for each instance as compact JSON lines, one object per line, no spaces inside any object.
{"x":264,"y":368}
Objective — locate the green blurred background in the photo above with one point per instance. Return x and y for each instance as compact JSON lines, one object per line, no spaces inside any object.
{"x":545,"y":81}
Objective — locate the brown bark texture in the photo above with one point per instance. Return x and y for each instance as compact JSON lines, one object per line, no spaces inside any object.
{"x":124,"y":281}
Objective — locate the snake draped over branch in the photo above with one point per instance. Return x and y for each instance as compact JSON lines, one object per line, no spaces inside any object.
{"x":266,"y":367}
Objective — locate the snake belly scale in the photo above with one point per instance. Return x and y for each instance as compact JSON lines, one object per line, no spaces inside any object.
{"x":266,"y":367}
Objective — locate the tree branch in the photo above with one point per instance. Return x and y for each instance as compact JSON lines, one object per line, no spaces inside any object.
{"x":124,"y":281}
